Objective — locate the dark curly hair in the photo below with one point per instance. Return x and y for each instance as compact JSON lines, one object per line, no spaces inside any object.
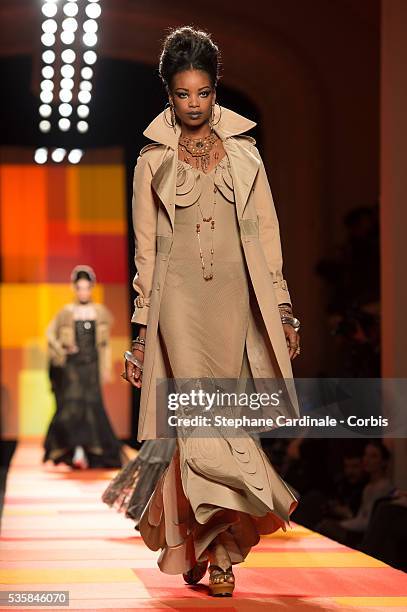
{"x":185,"y":48}
{"x":82,"y":274}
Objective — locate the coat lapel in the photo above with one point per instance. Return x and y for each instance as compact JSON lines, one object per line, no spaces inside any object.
{"x":164,"y":184}
{"x":244,"y":165}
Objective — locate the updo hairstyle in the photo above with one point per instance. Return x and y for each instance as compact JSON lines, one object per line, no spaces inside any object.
{"x":186,"y":48}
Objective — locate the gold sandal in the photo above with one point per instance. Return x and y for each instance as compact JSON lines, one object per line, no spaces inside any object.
{"x":219,"y":585}
{"x":196,"y":573}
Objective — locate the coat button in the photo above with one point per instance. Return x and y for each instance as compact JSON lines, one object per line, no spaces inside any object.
{"x":157,"y":286}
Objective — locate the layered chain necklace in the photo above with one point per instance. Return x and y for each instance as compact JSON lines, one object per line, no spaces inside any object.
{"x":211,"y":220}
{"x":201,"y":150}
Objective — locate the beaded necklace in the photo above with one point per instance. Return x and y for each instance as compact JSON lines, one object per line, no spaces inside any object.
{"x":211,"y":220}
{"x":200,"y":149}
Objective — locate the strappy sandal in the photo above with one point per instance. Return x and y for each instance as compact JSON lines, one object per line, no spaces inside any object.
{"x":196,"y":573}
{"x":219,"y":585}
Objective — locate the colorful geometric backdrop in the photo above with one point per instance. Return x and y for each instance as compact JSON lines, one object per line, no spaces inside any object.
{"x":53,"y":218}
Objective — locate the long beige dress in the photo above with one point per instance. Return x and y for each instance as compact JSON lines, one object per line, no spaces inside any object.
{"x":215,"y":485}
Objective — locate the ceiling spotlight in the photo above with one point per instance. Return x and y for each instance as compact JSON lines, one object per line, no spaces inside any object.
{"x":58,"y":155}
{"x":93,"y":0}
{"x":70,"y":24}
{"x":48,"y":57}
{"x":41,"y":156}
{"x":47,"y":85}
{"x":82,"y":126}
{"x":64,"y":124}
{"x":65,"y":95}
{"x":67,"y":71}
{"x":44,"y":126}
{"x":67,"y":37}
{"x":71,"y":9}
{"x":49,"y":9}
{"x":67,"y":83}
{"x":65,"y":109}
{"x":68,"y":56}
{"x":50,"y":26}
{"x":85,"y":85}
{"x":83,"y":111}
{"x":84,"y":97}
{"x":48,"y":39}
{"x":93,"y":11}
{"x":45,"y":110}
{"x":91,"y":26}
{"x":89,"y":57}
{"x":47,"y":72}
{"x":90,"y":39}
{"x":46,"y":96}
{"x":75,"y":156}
{"x":87,"y":73}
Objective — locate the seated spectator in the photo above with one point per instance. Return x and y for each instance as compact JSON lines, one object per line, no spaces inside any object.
{"x":351,"y":530}
{"x":349,"y":487}
{"x":386,"y":536}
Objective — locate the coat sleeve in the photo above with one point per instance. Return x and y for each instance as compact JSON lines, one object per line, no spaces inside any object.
{"x":269,"y":232}
{"x":145,"y":214}
{"x":54,"y":345}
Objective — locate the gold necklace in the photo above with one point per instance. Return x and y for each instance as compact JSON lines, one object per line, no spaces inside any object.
{"x":210,"y":220}
{"x":199,"y":148}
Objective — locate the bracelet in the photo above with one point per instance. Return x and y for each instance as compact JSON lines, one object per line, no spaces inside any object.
{"x":285,"y":307}
{"x":130,"y":357}
{"x":135,"y":347}
{"x":293,"y":321}
{"x":136,"y":344}
{"x":140,"y":340}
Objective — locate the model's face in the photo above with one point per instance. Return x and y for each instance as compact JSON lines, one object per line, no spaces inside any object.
{"x":372,"y":459}
{"x":192,"y":95}
{"x":83,"y":290}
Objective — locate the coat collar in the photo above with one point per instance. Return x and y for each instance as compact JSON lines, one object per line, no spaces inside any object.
{"x":226,"y":123}
{"x":244,"y":164}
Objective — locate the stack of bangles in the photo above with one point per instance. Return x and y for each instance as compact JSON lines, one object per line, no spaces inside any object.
{"x":286,"y":315}
{"x":139,"y":344}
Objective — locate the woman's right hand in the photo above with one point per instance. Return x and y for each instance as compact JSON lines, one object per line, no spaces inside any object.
{"x":133,"y":374}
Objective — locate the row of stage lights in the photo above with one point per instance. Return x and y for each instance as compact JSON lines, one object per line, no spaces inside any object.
{"x":58,"y":155}
{"x":69,"y":62}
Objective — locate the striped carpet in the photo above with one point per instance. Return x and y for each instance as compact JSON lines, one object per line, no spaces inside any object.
{"x":57,"y":535}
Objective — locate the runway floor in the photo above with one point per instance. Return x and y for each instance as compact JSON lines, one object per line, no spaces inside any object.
{"x":58,"y":535}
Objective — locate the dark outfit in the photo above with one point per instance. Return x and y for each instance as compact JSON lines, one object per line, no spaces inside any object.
{"x":80,"y":418}
{"x":133,"y":486}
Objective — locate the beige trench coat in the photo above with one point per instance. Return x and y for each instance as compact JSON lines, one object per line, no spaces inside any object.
{"x":61,"y":333}
{"x":154,"y":189}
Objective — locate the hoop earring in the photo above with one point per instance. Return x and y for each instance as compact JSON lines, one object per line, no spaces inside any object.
{"x":210,"y":121}
{"x":213,"y":113}
{"x":173,"y":121}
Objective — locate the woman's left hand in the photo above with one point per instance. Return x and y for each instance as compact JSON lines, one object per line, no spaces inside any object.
{"x":293,"y":340}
